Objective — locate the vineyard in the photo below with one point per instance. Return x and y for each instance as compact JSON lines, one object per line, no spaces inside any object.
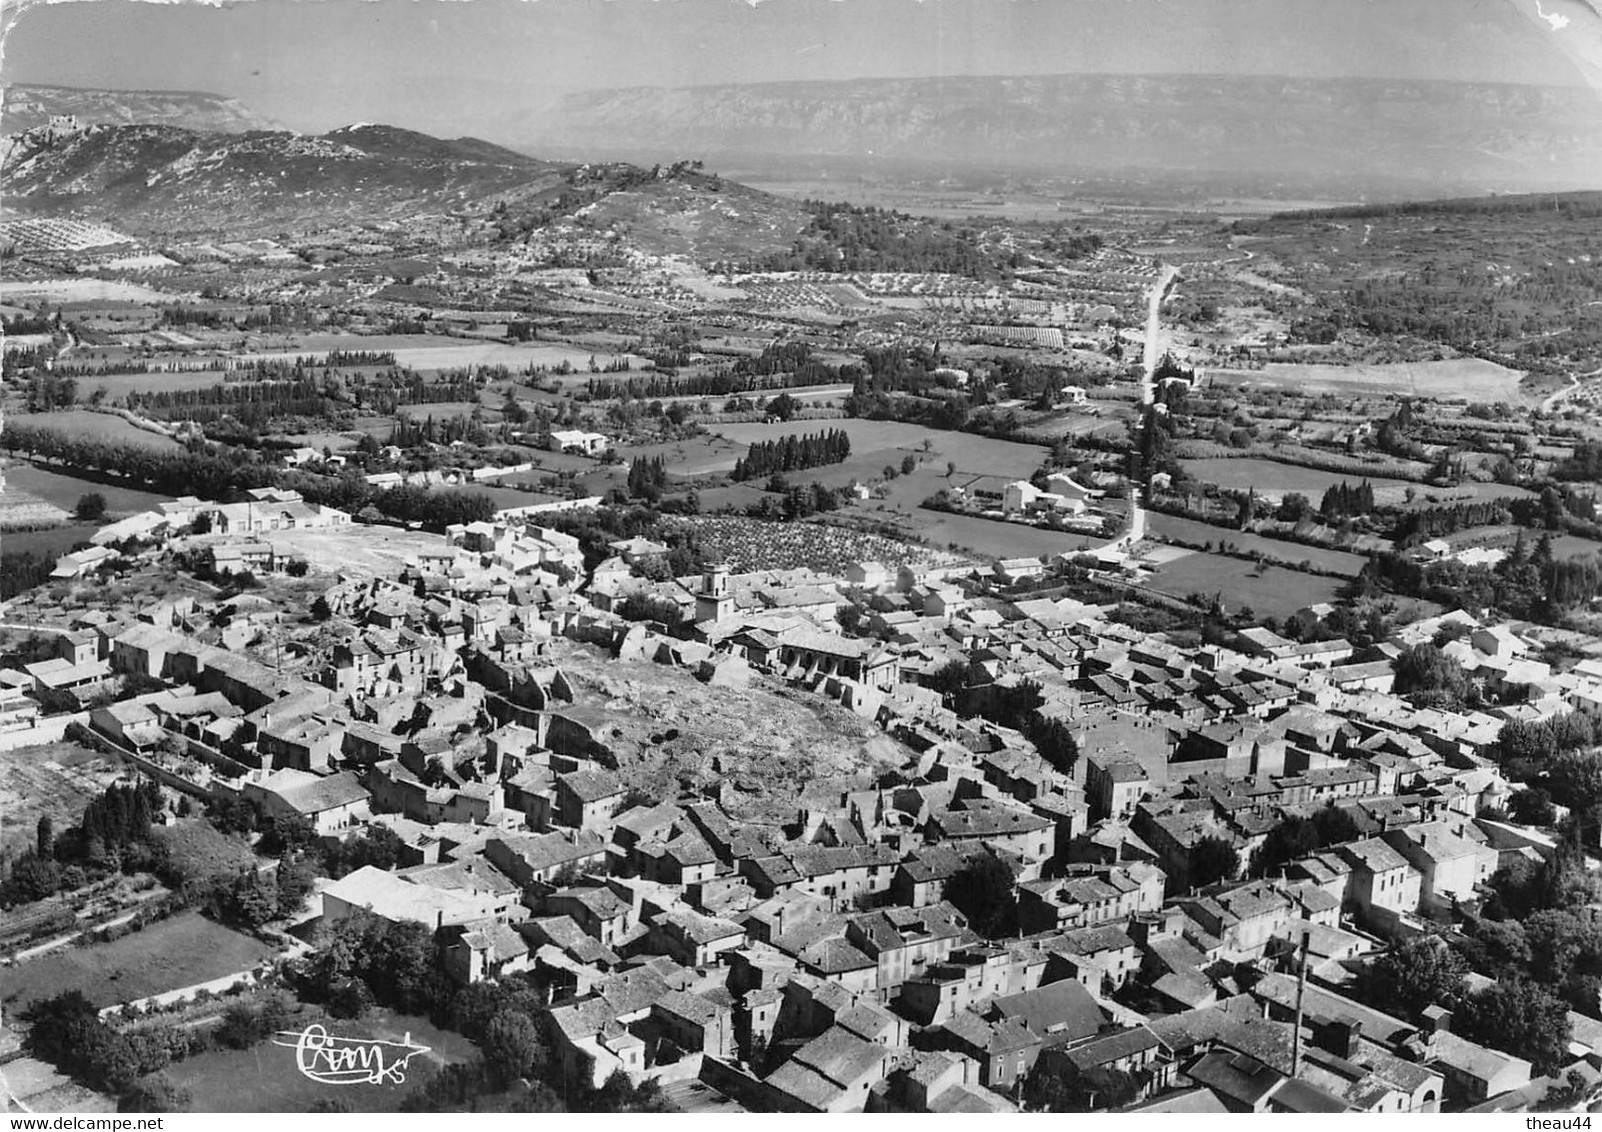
{"x":748,"y":545}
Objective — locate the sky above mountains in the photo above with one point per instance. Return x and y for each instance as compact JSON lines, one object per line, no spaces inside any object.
{"x":454,"y":64}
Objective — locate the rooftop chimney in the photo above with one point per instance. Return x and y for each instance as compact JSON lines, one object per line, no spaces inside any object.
{"x":1341,"y":1038}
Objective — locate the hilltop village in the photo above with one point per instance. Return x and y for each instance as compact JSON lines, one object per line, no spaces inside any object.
{"x":985,"y":849}
{"x":632,"y":641}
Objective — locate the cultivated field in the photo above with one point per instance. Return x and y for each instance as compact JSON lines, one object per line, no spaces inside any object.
{"x":176,"y":952}
{"x":424,"y":352}
{"x":265,"y":1077}
{"x":994,"y":538}
{"x":56,"y":779}
{"x":81,"y":291}
{"x":971,"y":453}
{"x":1191,"y":531}
{"x":1271,"y":592}
{"x":1462,"y":378}
{"x":119,"y":385}
{"x":1272,"y":480}
{"x":56,"y":487}
{"x":99,"y":426}
{"x":1563,"y":546}
{"x":1462,"y":493}
{"x":48,"y":542}
{"x":704,"y":455}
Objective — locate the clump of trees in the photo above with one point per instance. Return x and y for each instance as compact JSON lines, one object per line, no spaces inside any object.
{"x":647,"y":478}
{"x":91,"y":507}
{"x":1432,"y":678}
{"x":67,"y":1031}
{"x":647,"y":607}
{"x":793,"y":453}
{"x":852,"y":238}
{"x":1298,"y":837}
{"x":1525,"y":748}
{"x":114,"y":834}
{"x":1517,"y":1014}
{"x":1212,"y":859}
{"x":1341,"y":500}
{"x":984,"y":891}
{"x":1535,"y":585}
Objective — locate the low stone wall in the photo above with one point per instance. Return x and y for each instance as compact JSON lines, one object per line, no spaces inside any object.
{"x":48,"y":730}
{"x":216,"y":986}
{"x":734,"y":1082}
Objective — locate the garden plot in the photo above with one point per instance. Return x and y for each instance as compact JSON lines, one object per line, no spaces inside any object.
{"x":1470,"y":378}
{"x":177,"y":952}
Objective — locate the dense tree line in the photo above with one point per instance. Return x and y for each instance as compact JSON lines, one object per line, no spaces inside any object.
{"x":1565,"y":206}
{"x":208,"y":473}
{"x":792,"y":358}
{"x":723,"y":383}
{"x":793,"y":453}
{"x":15,"y":363}
{"x":18,"y":324}
{"x":114,"y":831}
{"x":1539,"y":587}
{"x":434,"y":507}
{"x":1584,"y":464}
{"x":222,"y":474}
{"x":252,"y":403}
{"x":902,"y":383}
{"x":1414,"y":527}
{"x":21,"y":571}
{"x":337,"y":358}
{"x":414,"y":433}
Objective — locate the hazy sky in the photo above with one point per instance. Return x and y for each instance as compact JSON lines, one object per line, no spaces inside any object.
{"x":314,"y":64}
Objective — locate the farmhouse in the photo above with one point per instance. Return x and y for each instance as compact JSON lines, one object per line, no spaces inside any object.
{"x":576,"y":440}
{"x":329,"y":803}
{"x":404,"y":898}
{"x":81,"y":562}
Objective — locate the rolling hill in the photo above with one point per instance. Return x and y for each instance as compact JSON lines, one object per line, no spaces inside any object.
{"x":169,"y":180}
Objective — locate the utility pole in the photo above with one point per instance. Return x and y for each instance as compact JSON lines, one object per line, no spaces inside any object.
{"x":1301,"y":988}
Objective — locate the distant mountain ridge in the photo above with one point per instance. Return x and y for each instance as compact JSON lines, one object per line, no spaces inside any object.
{"x":1436,"y":134}
{"x":27,"y":106}
{"x":165,"y":178}
{"x":167,"y":182}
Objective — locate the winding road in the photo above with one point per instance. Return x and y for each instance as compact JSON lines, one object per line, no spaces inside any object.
{"x":1575,"y":381}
